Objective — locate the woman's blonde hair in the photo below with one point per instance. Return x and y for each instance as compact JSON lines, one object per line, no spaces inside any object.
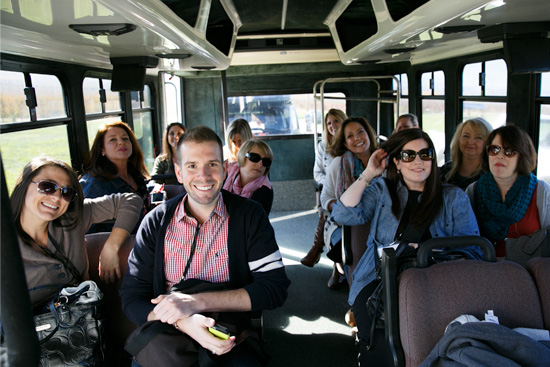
{"x":339,"y":115}
{"x":248,"y":146}
{"x":241,"y":127}
{"x":479,"y":127}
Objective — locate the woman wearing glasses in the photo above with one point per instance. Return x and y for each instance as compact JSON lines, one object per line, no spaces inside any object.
{"x":410,"y":205}
{"x":248,"y":176}
{"x":51,"y":218}
{"x":115,"y":164}
{"x":508,"y":200}
{"x":467,"y":149}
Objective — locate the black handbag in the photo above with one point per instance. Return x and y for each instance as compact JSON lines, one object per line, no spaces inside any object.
{"x":158,"y":344}
{"x":70,"y":333}
{"x":522,"y":249}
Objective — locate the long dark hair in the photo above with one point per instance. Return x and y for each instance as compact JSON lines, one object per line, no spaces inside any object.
{"x":98,"y":165}
{"x":432,"y":196}
{"x":69,"y":219}
{"x":166,"y":147}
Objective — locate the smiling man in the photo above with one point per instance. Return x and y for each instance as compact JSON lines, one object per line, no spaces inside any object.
{"x":210,"y":235}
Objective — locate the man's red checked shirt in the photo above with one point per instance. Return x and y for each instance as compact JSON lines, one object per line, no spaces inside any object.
{"x":210,"y":261}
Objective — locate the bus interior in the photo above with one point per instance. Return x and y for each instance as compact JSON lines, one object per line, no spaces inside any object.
{"x":70,"y":66}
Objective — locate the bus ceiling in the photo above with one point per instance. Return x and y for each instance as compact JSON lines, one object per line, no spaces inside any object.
{"x":199,"y":35}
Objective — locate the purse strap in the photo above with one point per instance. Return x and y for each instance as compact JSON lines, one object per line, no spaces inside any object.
{"x":60,"y":256}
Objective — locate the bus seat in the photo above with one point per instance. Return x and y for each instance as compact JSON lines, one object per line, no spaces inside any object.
{"x":117,"y":326}
{"x":539,"y":267}
{"x":357,"y":236}
{"x":423,"y":301}
{"x":173,"y":191}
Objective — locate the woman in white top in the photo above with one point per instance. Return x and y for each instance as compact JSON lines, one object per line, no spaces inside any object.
{"x":323,"y":159}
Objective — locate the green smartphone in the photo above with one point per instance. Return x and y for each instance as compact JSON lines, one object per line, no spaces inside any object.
{"x":220,"y":331}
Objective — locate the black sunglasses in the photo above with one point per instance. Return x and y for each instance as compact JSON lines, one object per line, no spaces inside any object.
{"x":50,"y":188}
{"x":493,"y":150}
{"x":426,"y":154}
{"x":255,"y":158}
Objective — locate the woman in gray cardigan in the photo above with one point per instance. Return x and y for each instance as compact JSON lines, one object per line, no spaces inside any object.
{"x":51,"y":219}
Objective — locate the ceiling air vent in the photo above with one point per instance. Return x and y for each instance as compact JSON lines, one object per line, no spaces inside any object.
{"x":203,"y":67}
{"x":112,"y":29}
{"x":459,"y":28}
{"x":399,"y":50}
{"x":173,"y":56}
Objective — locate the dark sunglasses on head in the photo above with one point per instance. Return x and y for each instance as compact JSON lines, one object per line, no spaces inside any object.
{"x":255,"y":158}
{"x":50,"y":188}
{"x":408,"y":155}
{"x":493,"y":150}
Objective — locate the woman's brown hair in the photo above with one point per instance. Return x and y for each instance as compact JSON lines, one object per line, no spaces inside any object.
{"x":515,"y":138}
{"x":98,"y":165}
{"x":70,"y":218}
{"x":337,"y":145}
{"x":166,"y":147}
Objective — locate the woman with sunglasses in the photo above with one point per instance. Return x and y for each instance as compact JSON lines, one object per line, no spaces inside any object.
{"x":115,"y":164}
{"x":509,"y":201}
{"x":352,"y":147}
{"x":323,"y":159}
{"x":164,"y":163}
{"x":467,"y":149}
{"x":248,"y":176}
{"x":410,"y":205}
{"x":51,"y":217}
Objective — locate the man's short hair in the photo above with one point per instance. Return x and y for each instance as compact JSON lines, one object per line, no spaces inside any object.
{"x":200,"y":134}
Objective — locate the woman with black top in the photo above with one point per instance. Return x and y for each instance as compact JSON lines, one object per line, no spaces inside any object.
{"x":408,"y":205}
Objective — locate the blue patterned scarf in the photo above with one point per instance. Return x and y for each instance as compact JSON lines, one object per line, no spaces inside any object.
{"x":495,"y":217}
{"x":350,"y":169}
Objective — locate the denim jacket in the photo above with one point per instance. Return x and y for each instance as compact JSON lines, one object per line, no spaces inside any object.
{"x":455,"y":219}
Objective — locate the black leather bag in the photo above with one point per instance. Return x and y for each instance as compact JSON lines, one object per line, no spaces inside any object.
{"x":70,"y":333}
{"x":522,"y":249}
{"x":158,"y":344}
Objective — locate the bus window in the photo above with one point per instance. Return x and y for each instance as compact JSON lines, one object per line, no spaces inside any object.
{"x":27,"y":144}
{"x":481,"y":81}
{"x":143,"y":124}
{"x":24,"y":140}
{"x":282,"y":114}
{"x":98,"y":101}
{"x":93,"y":89}
{"x":404,"y":93}
{"x":172,"y":99}
{"x":13,"y":106}
{"x":433,"y":110}
{"x":49,"y":96}
{"x":543,"y":167}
